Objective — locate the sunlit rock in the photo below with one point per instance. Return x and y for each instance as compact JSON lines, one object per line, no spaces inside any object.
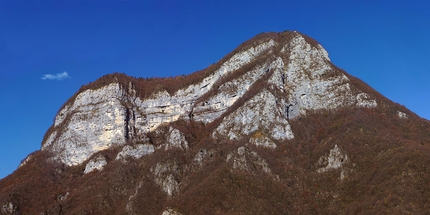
{"x":96,"y":163}
{"x":336,"y":159}
{"x":135,"y":151}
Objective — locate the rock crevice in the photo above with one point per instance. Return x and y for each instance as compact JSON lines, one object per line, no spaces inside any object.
{"x":258,"y":89}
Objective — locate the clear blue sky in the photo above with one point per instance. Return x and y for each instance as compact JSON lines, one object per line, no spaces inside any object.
{"x":384,"y":43}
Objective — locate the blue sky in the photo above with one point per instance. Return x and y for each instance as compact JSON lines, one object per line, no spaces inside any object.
{"x":48,"y":49}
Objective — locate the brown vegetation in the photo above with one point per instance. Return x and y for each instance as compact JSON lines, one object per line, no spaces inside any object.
{"x":388,"y":173}
{"x":387,"y":170}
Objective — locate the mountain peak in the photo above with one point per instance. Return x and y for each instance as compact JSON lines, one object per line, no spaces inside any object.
{"x":271,"y":79}
{"x":273,"y":116}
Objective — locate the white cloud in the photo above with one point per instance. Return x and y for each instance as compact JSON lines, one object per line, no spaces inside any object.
{"x":58,"y":76}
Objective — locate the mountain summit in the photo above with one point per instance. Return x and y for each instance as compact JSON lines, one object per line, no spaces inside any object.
{"x":272,"y":128}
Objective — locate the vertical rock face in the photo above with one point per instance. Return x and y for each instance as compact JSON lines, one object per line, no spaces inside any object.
{"x":95,"y":121}
{"x":228,"y":93}
{"x":258,"y":114}
{"x":257,"y":89}
{"x":272,"y":128}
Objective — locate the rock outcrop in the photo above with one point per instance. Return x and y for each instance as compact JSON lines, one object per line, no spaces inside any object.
{"x":336,"y":159}
{"x":272,"y":128}
{"x":136,"y":151}
{"x":290,"y":78}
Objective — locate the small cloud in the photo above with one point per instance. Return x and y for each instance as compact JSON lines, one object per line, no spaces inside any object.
{"x":58,"y":76}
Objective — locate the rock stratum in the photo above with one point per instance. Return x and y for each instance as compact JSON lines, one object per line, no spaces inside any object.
{"x":272,"y":128}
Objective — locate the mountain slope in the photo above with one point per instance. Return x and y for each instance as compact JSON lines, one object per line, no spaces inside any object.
{"x":272,"y":128}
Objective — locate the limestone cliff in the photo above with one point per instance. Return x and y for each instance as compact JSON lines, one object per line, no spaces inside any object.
{"x":259,"y":88}
{"x":272,"y":128}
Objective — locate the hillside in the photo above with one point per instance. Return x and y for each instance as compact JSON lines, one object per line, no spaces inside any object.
{"x":272,"y":128}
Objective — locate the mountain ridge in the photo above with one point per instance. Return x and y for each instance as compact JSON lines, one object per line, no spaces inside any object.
{"x":263,"y":54}
{"x":124,"y":79}
{"x":273,"y":127}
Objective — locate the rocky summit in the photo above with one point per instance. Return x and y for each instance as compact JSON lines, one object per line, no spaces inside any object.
{"x":272,"y":128}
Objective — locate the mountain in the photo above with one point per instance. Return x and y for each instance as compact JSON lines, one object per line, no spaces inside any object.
{"x":272,"y":128}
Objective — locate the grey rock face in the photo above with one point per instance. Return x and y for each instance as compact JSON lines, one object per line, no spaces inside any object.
{"x":164,"y":174}
{"x":176,"y":139}
{"x":402,"y":115}
{"x":364,"y":100}
{"x":170,"y":211}
{"x":136,"y":151}
{"x":246,"y":160}
{"x":228,"y":93}
{"x":8,"y":208}
{"x":258,"y":114}
{"x":262,"y":141}
{"x":23,"y":162}
{"x":96,"y":163}
{"x":287,"y":79}
{"x":96,"y":121}
{"x":312,"y":83}
{"x":336,"y":159}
